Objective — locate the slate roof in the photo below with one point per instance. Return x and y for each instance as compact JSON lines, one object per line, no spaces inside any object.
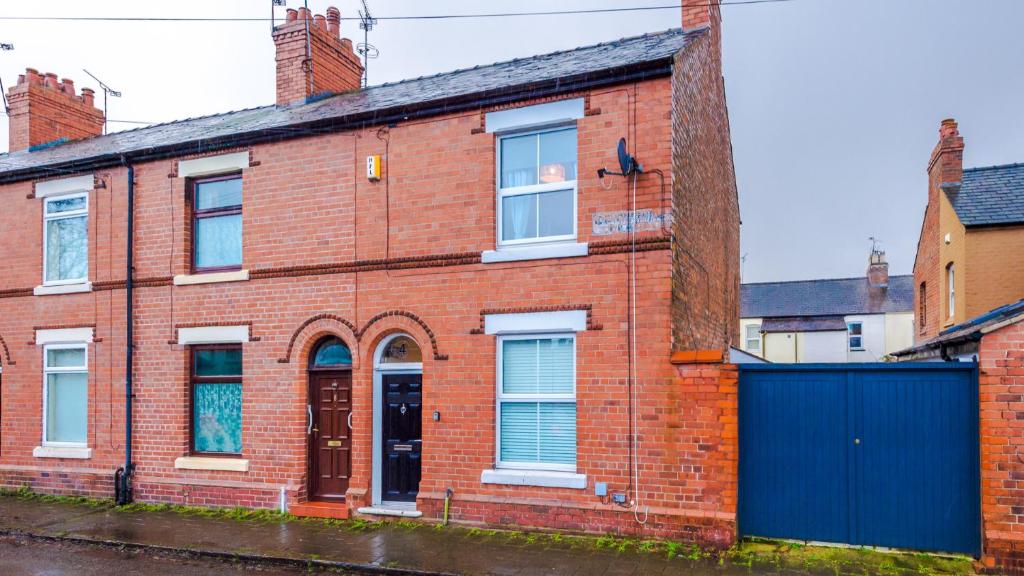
{"x":989,"y":196}
{"x":834,"y":297}
{"x":627,"y":59}
{"x":804,"y":324}
{"x":971,"y":330}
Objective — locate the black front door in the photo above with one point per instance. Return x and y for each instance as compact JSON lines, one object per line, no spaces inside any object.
{"x":402,"y":434}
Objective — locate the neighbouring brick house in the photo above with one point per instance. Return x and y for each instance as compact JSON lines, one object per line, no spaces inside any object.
{"x":364,"y":300}
{"x":995,"y":340}
{"x":974,"y":219}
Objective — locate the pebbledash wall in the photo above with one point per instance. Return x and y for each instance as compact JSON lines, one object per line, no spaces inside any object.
{"x":327,"y":252}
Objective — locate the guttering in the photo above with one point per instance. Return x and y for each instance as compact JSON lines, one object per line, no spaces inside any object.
{"x":123,"y":478}
{"x":554,"y":87}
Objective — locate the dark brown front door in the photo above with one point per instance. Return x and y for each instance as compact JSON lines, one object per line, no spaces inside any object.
{"x":403,"y":433}
{"x":330,"y":438}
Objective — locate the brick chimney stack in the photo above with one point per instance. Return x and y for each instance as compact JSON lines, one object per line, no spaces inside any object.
{"x":44,"y":110}
{"x":326,"y":63}
{"x":700,"y":13}
{"x":878,"y":270}
{"x":947,"y":162}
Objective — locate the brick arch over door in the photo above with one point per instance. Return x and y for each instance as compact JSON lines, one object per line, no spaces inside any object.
{"x":358,"y":333}
{"x":340,"y":325}
{"x":414,"y":318}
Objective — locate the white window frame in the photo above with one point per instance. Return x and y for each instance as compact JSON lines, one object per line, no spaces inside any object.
{"x":537,"y":188}
{"x":512,"y":398}
{"x":47,"y":370}
{"x":747,"y":338}
{"x":951,"y":280}
{"x":850,"y":336}
{"x":47,"y":218}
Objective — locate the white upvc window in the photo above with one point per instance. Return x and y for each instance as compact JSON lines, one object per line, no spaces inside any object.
{"x":753,"y":337}
{"x":855,"y":333}
{"x":951,"y":281}
{"x":65,"y":395}
{"x":536,"y":402}
{"x":537,"y":186}
{"x":66,"y":239}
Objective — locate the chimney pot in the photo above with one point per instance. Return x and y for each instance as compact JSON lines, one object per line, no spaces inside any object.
{"x":304,"y":68}
{"x":948,"y":128}
{"x":291,"y":15}
{"x":38,"y":118}
{"x":334,"y":21}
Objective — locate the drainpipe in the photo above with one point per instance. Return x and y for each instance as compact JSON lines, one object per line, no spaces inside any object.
{"x":123,"y":476}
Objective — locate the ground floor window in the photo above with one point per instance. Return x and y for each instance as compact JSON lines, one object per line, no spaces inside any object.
{"x":65,"y":394}
{"x":537,"y":402}
{"x":216,"y":399}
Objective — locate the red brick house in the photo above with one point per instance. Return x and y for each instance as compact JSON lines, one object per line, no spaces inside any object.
{"x":366,"y":300}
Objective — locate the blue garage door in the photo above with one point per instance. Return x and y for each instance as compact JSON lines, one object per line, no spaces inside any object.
{"x":863,"y":454}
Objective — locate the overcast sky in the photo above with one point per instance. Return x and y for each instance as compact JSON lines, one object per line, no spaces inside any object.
{"x":834,"y":104}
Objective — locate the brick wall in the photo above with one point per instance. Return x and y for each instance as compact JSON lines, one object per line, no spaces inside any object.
{"x":705,"y":225}
{"x":992,"y":279}
{"x":330,"y":253}
{"x":1001,"y":365}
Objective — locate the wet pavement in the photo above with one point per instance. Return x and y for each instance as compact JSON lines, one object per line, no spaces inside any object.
{"x":353,"y":546}
{"x":23,"y":556}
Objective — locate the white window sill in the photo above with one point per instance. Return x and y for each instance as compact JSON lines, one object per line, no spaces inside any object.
{"x":77,"y":288}
{"x":535,"y":252}
{"x":211,"y":278}
{"x":75,"y":452}
{"x":204,"y":463}
{"x":534,"y":478}
{"x":383,"y":510}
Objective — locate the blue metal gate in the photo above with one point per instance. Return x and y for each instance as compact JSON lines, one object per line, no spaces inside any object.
{"x":863,"y":454}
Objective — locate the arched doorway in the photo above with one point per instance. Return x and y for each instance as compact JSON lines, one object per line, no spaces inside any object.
{"x":329,"y":426}
{"x":397,"y":421}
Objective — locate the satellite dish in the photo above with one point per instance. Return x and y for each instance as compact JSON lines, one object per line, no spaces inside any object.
{"x":627,"y":164}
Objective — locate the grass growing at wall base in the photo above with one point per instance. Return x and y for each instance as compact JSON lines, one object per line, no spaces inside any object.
{"x":751,"y":553}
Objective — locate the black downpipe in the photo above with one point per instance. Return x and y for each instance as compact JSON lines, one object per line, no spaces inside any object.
{"x":123,"y":476}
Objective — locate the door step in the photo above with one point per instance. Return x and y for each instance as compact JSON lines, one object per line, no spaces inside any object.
{"x":335,"y":510}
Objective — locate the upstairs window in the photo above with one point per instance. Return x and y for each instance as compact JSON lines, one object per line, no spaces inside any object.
{"x":217,"y":223}
{"x":537,"y":186}
{"x":65,"y":395}
{"x":951,"y":282}
{"x":855,"y":331}
{"x":922,"y":299}
{"x":217,"y":399}
{"x":753,"y":337}
{"x":66,"y":239}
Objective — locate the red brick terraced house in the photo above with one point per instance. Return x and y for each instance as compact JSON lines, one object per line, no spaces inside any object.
{"x":368,"y":300}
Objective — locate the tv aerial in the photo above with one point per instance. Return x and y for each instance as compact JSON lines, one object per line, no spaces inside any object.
{"x":107,"y":91}
{"x":365,"y":49}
